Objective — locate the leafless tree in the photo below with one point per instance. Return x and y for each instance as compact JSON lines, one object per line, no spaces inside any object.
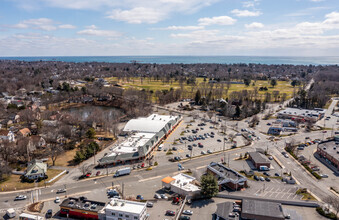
{"x":7,"y":151}
{"x":333,"y":202}
{"x":84,"y":169}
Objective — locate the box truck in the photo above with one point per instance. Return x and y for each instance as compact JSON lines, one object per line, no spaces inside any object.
{"x":122,"y":171}
{"x":264,"y":168}
{"x":10,"y":213}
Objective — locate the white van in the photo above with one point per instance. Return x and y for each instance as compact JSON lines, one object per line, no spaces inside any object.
{"x":10,"y":213}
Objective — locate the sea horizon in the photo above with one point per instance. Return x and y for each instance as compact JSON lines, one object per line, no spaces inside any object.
{"x":187,"y":59}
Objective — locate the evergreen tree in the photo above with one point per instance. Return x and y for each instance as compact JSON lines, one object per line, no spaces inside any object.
{"x":274,"y":82}
{"x":197,"y":97}
{"x":209,"y":186}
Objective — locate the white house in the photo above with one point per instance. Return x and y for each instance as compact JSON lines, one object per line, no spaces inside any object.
{"x":7,"y":135}
{"x":36,"y":169}
{"x":119,"y":209}
{"x":182,"y":184}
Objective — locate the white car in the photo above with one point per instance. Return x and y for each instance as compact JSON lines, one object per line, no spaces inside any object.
{"x":20,"y":197}
{"x":163,"y":196}
{"x":208,"y":151}
{"x":187,"y":212}
{"x":157,"y":196}
{"x":286,"y":155}
{"x":57,"y":200}
{"x":203,"y":152}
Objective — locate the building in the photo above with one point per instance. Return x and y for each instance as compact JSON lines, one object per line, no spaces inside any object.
{"x":119,"y":209}
{"x":36,"y":169}
{"x":182,"y":184}
{"x":302,"y":115}
{"x":328,"y":153}
{"x":227,"y":177}
{"x":145,"y":135}
{"x":7,"y":135}
{"x":81,"y":208}
{"x":261,"y":210}
{"x":274,"y":130}
{"x":224,"y":211}
{"x":258,"y":160}
{"x":25,"y":132}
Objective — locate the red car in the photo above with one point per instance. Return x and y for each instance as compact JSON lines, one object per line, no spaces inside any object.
{"x":324,"y":131}
{"x":170,"y":213}
{"x":88,"y":174}
{"x":142,"y":165}
{"x":98,"y":173}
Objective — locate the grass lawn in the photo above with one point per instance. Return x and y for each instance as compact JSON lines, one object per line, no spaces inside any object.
{"x":282,"y":86}
{"x":13,"y":182}
{"x":64,"y":159}
{"x":306,"y":195}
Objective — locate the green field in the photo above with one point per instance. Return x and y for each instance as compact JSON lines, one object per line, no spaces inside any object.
{"x":135,"y":82}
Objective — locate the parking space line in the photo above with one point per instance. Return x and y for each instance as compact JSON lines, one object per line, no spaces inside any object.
{"x":278,"y":194}
{"x":295,"y":196}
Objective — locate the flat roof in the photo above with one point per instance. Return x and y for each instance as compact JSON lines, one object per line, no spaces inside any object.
{"x":258,"y":157}
{"x":85,"y":204}
{"x":225,"y":174}
{"x":121,"y":205}
{"x":261,"y":208}
{"x":302,"y":112}
{"x":184,"y":182}
{"x":331,"y":148}
{"x":224,"y":209}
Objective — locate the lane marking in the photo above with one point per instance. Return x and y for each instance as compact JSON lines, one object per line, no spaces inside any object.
{"x":198,"y":168}
{"x":151,"y":178}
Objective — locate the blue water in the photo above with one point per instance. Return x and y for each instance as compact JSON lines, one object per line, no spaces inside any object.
{"x":187,"y":59}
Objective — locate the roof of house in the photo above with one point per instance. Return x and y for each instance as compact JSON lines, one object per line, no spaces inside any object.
{"x":24,"y":131}
{"x":4,"y":132}
{"x":167,"y":179}
{"x":36,"y":167}
{"x":258,"y":158}
{"x":261,"y":208}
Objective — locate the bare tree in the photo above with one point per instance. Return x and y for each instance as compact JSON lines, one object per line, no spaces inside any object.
{"x":7,"y":151}
{"x":333,"y":202}
{"x":84,"y":169}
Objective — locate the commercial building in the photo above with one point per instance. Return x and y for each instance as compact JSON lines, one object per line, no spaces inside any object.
{"x":329,"y":152}
{"x":302,"y":115}
{"x":145,"y":135}
{"x":227,"y":177}
{"x":119,"y":209}
{"x":225,"y":211}
{"x":182,"y":184}
{"x":261,"y":210}
{"x":81,"y":208}
{"x":258,"y":160}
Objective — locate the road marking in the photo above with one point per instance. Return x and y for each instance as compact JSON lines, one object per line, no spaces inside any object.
{"x":151,"y":178}
{"x":198,"y":168}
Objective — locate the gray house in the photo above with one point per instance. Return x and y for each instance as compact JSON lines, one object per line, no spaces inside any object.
{"x":36,"y":169}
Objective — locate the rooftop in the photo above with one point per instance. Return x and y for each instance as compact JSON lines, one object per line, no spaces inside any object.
{"x":125,"y":206}
{"x":302,"y":112}
{"x":331,"y":148}
{"x":223,"y":209}
{"x":184,"y":182}
{"x":82,"y":204}
{"x":226,"y":174}
{"x":258,"y":157}
{"x":261,"y":208}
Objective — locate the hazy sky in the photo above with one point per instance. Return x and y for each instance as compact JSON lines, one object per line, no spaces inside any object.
{"x":169,"y":27}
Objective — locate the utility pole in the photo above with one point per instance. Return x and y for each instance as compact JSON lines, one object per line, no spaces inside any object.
{"x":65,"y":191}
{"x":94,"y":156}
{"x":122,"y":190}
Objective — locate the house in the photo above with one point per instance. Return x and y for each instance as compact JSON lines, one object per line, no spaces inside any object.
{"x":119,"y":209}
{"x":182,"y":184}
{"x":227,"y":177}
{"x":258,"y":160}
{"x":37,"y":141}
{"x":7,"y":135}
{"x":25,"y":132}
{"x":36,"y":169}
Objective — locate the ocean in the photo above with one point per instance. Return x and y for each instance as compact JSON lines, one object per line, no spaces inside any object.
{"x":188,"y":59}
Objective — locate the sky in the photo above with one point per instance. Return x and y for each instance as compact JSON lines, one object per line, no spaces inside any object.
{"x":169,"y":27}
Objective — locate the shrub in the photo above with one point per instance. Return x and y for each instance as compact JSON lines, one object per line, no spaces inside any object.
{"x":155,"y":163}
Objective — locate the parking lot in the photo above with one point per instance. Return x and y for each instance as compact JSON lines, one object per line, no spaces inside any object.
{"x":201,"y":139}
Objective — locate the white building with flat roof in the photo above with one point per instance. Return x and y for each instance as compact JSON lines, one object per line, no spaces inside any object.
{"x":119,"y":209}
{"x":145,"y":134}
{"x":182,"y":184}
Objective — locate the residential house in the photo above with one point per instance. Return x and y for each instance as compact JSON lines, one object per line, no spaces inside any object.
{"x":37,"y":141}
{"x":36,"y":169}
{"x":25,"y":132}
{"x":7,"y":135}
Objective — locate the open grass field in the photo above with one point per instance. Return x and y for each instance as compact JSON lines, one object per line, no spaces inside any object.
{"x":14,"y":183}
{"x":135,"y":82}
{"x":64,"y":159}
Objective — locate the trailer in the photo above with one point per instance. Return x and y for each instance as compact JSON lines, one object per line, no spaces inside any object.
{"x":122,"y":171}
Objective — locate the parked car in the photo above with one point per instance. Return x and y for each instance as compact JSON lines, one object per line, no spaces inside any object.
{"x":163,"y":196}
{"x":324,"y":176}
{"x":267,"y":179}
{"x":266,"y":174}
{"x":286,"y":155}
{"x":88,"y":175}
{"x":20,"y":197}
{"x":219,"y":140}
{"x":203,"y":152}
{"x":209,"y":151}
{"x":98,"y":173}
{"x":174,"y":148}
{"x":270,"y":158}
{"x":277,"y":174}
{"x":256,"y":177}
{"x":49,"y":213}
{"x":170,"y":213}
{"x":57,"y":200}
{"x":187,"y":212}
{"x":262,"y":178}
{"x":157,"y":196}
{"x":149,"y":204}
{"x":184,"y":217}
{"x":140,"y":197}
